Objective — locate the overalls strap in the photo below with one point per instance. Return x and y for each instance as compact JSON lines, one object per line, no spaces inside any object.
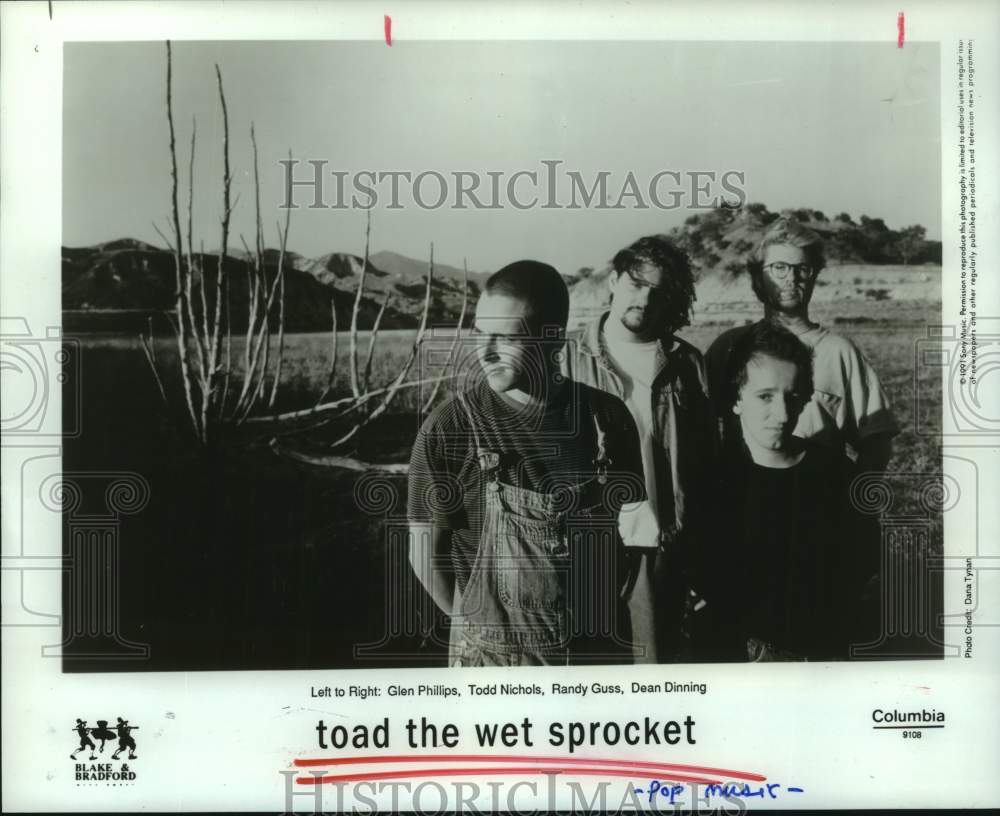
{"x":517,"y":604}
{"x":489,"y":461}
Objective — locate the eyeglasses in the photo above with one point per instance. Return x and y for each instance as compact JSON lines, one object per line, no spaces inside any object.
{"x":780,"y":269}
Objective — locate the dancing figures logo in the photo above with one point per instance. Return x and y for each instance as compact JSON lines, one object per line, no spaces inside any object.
{"x":107,"y":771}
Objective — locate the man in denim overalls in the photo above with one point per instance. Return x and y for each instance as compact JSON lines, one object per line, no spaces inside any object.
{"x":514,"y":490}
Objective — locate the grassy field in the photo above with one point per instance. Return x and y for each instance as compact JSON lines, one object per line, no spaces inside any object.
{"x":246,"y":560}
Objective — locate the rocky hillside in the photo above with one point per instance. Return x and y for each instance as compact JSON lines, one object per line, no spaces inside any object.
{"x":117,"y":286}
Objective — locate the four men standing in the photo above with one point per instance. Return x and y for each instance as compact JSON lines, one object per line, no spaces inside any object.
{"x":521,"y":482}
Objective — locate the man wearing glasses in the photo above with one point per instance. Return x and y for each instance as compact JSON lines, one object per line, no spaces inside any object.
{"x":849,"y":409}
{"x":631,"y":351}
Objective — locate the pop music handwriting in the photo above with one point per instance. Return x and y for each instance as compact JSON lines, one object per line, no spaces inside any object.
{"x":657,"y":790}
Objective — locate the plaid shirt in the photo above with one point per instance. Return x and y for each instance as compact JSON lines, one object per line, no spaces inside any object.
{"x":683,"y":422}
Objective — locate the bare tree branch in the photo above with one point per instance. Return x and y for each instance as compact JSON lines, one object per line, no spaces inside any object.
{"x":251,"y":330}
{"x":333,"y":352}
{"x":172,"y":320}
{"x":227,"y":210}
{"x":265,"y":346}
{"x":258,"y":323}
{"x":331,"y":461}
{"x":229,"y":352}
{"x":355,"y":384}
{"x":256,"y":190}
{"x":391,"y":391}
{"x":149,"y":350}
{"x":246,"y":249}
{"x":458,"y":335}
{"x":281,"y":302}
{"x":182,"y":351}
{"x":339,"y":403}
{"x":190,"y":214}
{"x":371,"y":341}
{"x":204,"y":317}
{"x":188,"y":293}
{"x":166,"y":240}
{"x":262,"y":344}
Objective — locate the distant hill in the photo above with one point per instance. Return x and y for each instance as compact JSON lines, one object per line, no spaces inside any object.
{"x":409,"y":269}
{"x":111,"y":286}
{"x":720,"y":240}
{"x":400,"y":279}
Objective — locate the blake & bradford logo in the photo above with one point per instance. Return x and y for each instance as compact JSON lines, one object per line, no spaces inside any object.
{"x":96,"y":771}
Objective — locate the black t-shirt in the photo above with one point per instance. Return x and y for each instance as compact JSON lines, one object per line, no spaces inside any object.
{"x":795,"y":555}
{"x":539,"y":450}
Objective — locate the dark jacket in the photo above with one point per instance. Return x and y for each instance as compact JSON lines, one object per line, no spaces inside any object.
{"x":682,"y":419}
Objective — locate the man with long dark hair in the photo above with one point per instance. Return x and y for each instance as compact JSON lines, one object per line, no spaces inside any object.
{"x":632,"y":351}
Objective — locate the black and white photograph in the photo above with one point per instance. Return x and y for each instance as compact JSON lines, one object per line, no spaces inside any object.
{"x":499,"y":407}
{"x":504,"y":353}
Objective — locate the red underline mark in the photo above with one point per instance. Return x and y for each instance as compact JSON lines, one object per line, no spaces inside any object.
{"x":632,"y":767}
{"x":901,"y":27}
{"x":387,"y":24}
{"x":572,"y":770}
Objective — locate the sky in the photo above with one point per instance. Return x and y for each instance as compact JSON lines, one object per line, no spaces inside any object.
{"x":837,"y":127}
